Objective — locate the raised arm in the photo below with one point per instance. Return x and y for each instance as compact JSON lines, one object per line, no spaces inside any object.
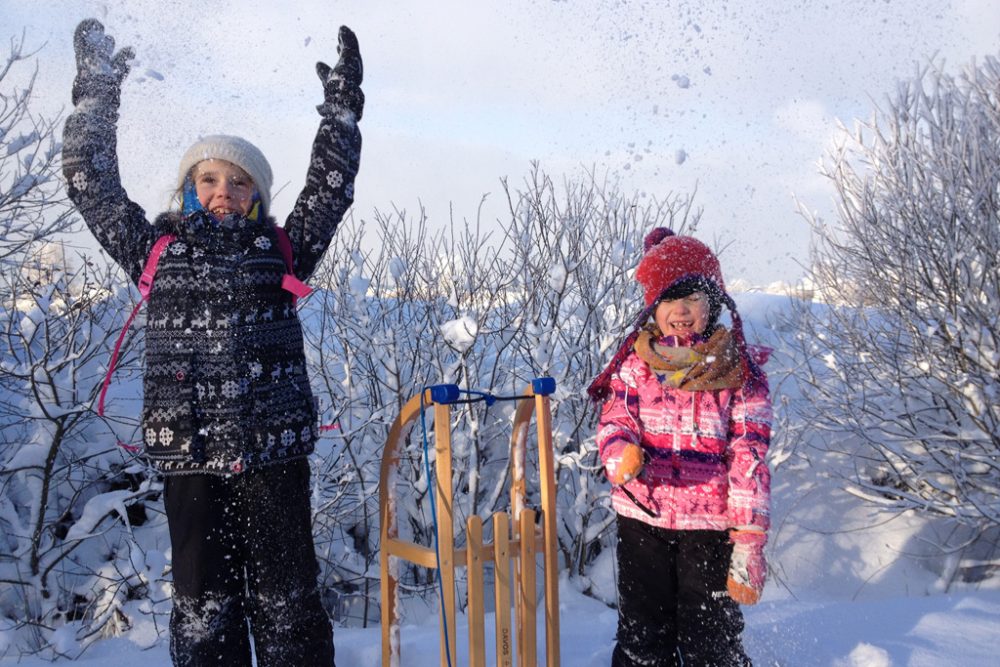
{"x":90,"y":159}
{"x":336,"y":153}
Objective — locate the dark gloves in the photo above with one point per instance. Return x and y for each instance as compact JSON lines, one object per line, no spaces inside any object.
{"x":99,"y":71}
{"x":342,"y":84}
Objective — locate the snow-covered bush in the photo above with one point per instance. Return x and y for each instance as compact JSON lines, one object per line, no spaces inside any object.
{"x":902,"y":372}
{"x":547,"y":293}
{"x":69,"y":500}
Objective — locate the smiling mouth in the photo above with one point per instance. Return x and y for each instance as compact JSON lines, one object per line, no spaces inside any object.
{"x":223,"y":212}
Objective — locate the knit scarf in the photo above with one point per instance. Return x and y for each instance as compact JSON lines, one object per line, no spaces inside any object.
{"x":705,"y":366}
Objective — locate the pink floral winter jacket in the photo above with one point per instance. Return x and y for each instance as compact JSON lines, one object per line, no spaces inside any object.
{"x":705,"y":451}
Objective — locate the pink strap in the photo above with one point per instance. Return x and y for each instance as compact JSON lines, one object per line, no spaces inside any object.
{"x":298,"y":288}
{"x":148,"y":271}
{"x":290,"y":283}
{"x":145,"y":285}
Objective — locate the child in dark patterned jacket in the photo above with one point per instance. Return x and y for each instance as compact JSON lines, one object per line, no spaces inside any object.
{"x":228,"y":414}
{"x":683,"y":435}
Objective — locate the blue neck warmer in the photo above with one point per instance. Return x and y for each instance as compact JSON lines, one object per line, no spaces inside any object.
{"x":191,"y":204}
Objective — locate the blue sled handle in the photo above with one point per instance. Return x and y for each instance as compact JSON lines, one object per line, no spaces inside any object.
{"x":545,"y":386}
{"x":444,"y":393}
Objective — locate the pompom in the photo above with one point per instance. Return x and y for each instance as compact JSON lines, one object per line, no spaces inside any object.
{"x":654,"y":237}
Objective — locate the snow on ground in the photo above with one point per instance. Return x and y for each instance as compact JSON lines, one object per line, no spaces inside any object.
{"x":960,"y":630}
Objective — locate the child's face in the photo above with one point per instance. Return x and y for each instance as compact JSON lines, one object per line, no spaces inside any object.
{"x":223,"y":188}
{"x":683,"y":317}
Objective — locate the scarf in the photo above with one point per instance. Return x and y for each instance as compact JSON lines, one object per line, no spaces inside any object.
{"x":705,"y":366}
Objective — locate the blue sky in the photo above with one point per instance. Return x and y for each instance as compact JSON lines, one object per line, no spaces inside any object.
{"x":461,"y":94}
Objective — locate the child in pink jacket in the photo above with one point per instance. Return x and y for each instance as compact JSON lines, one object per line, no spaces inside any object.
{"x":683,"y":435}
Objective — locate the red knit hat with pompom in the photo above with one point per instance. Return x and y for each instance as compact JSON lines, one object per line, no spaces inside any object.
{"x":668,"y":259}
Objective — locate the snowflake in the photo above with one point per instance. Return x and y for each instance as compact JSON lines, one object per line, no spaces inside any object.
{"x":262,"y":242}
{"x":335,"y":179}
{"x":80,"y":181}
{"x":311,"y":202}
{"x":150,"y":437}
{"x":306,"y":434}
{"x":230,"y":389}
{"x":178,"y":248}
{"x":287,"y":437}
{"x":256,"y":369}
{"x":166,"y":436}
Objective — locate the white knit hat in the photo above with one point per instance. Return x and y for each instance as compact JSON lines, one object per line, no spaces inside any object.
{"x":240,"y":152}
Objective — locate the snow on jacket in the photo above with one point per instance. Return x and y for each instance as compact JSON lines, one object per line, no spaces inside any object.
{"x":225,"y":374}
{"x":705,"y":467}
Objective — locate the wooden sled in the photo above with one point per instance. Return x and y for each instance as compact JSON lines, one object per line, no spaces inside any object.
{"x":518,"y":537}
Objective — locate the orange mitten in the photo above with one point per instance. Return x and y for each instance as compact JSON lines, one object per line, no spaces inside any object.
{"x":748,"y":567}
{"x":626,"y":466}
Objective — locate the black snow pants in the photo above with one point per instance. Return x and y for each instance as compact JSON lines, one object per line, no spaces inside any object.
{"x":673,"y":608}
{"x":243,"y":551}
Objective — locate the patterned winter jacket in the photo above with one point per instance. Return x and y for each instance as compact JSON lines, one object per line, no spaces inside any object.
{"x":225,"y":373}
{"x":705,"y":467}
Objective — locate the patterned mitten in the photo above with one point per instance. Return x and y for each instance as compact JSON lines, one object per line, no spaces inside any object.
{"x":748,"y":567}
{"x":626,"y":466}
{"x":99,"y":70}
{"x":342,"y":84}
